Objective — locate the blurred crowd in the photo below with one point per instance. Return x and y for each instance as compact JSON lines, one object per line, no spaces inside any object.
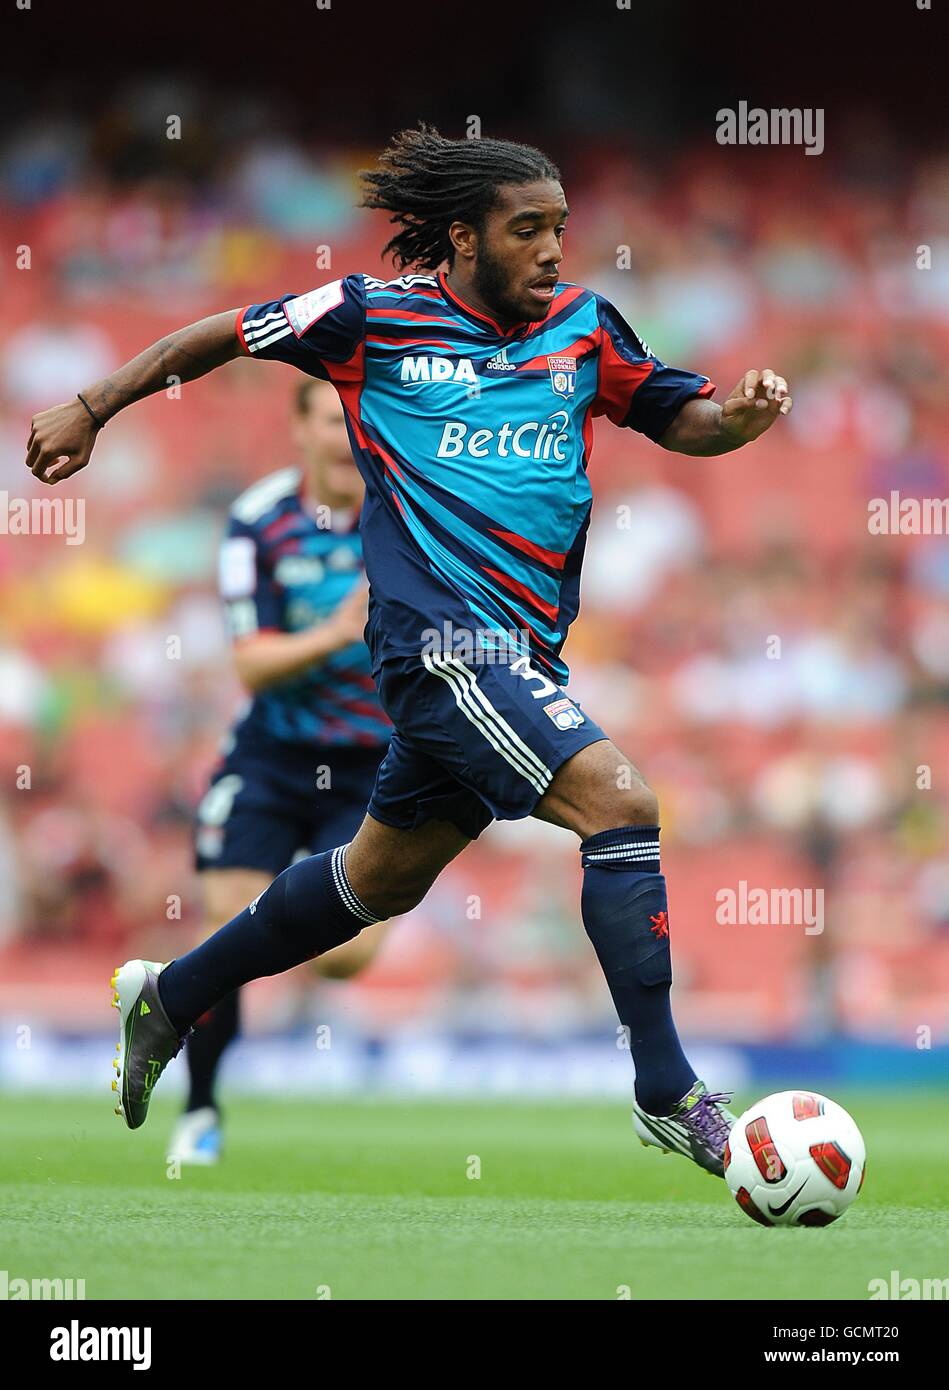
{"x":778,"y":671}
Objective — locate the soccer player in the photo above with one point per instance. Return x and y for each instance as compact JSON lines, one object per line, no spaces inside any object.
{"x":299,"y":766}
{"x":470,"y":388}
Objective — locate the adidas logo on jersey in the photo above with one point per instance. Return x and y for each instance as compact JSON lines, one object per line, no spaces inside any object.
{"x":499,"y":363}
{"x":438,"y":369}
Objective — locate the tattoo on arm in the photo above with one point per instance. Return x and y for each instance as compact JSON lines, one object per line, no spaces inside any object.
{"x":185,"y":354}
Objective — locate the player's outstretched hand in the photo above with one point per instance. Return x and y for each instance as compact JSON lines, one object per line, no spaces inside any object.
{"x":62,"y":436}
{"x":754,"y":405}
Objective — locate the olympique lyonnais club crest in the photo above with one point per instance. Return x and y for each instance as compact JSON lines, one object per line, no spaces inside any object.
{"x":564,"y":714}
{"x":563,"y":375}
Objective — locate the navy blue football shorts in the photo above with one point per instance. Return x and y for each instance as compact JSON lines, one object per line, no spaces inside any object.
{"x":473,"y":742}
{"x":269,"y":801}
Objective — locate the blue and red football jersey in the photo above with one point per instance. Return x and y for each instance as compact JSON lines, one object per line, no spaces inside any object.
{"x":284,"y":567}
{"x":474,"y":445}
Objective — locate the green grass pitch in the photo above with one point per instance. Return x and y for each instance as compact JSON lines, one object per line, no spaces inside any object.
{"x":373,"y":1200}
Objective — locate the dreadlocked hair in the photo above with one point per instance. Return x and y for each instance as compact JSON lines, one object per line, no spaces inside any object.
{"x":427,"y":182}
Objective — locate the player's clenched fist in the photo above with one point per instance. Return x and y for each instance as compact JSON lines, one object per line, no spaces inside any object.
{"x":754,"y":405}
{"x":64,"y":435}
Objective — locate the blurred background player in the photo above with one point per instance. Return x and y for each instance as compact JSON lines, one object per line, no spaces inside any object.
{"x":298,"y":766}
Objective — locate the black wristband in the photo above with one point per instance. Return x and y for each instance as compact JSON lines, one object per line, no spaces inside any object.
{"x":100,"y":423}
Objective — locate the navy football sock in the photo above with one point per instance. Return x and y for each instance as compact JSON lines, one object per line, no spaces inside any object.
{"x":308,"y":909}
{"x":213,"y":1034}
{"x":626,"y":916}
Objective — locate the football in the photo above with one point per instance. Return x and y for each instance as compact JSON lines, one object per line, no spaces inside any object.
{"x":794,"y":1159}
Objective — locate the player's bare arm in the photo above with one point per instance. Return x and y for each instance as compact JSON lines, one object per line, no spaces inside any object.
{"x":704,"y":428}
{"x":267,"y":658}
{"x":68,"y":432}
